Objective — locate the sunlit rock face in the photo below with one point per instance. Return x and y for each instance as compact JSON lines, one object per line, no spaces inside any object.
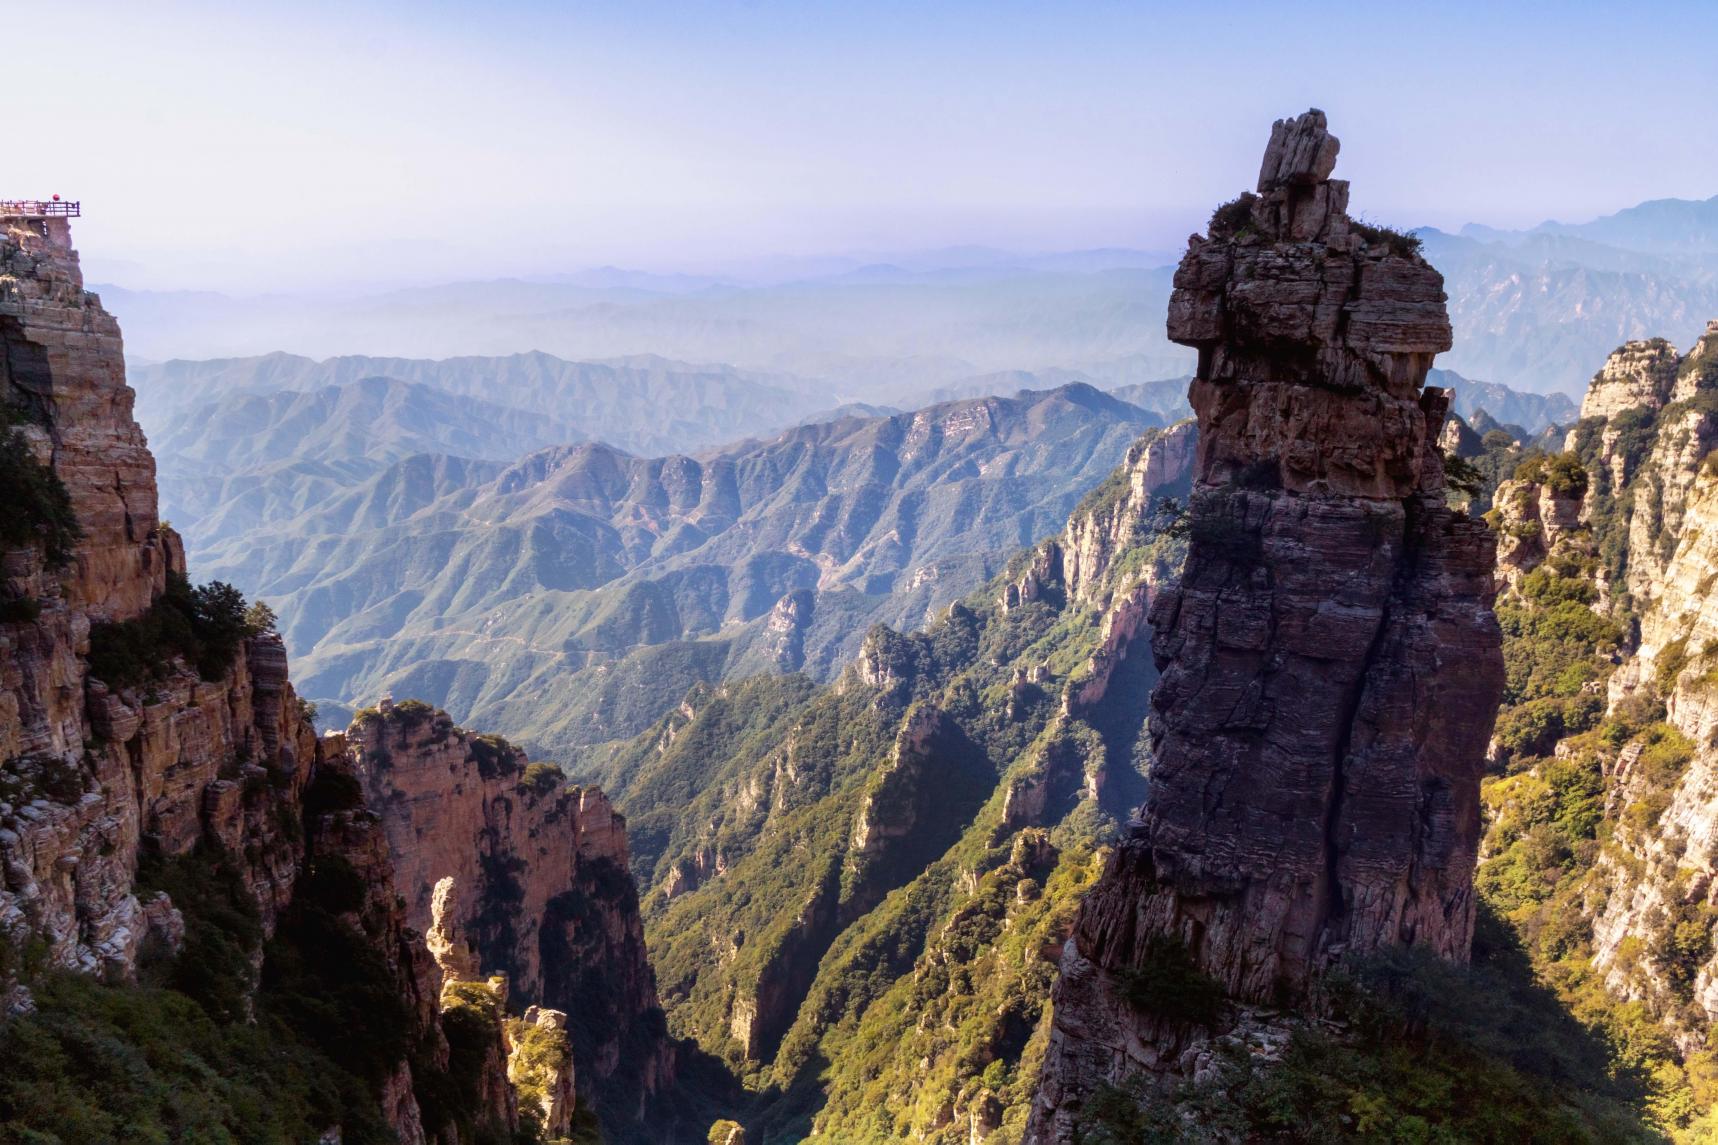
{"x":540,"y":887}
{"x":1331,"y":667}
{"x":94,"y":773}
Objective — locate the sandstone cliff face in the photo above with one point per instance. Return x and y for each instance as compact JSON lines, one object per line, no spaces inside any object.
{"x":1331,"y":664}
{"x":1653,"y":902}
{"x":63,"y":370}
{"x":1159,"y":465}
{"x":96,"y":775}
{"x":540,"y":885}
{"x":1534,"y":519}
{"x":1637,"y":375}
{"x":93,"y":775}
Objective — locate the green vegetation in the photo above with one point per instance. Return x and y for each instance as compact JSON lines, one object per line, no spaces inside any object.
{"x":202,"y":626}
{"x":1403,"y":244}
{"x":540,"y":1054}
{"x":106,"y":1063}
{"x":543,"y":778}
{"x":494,"y":755}
{"x":894,"y":979}
{"x":196,"y":1052}
{"x":38,"y":509}
{"x":259,"y":617}
{"x":1562,"y":473}
{"x":1566,"y":818}
{"x":1464,"y":477}
{"x":1167,"y":985}
{"x":1234,"y":218}
{"x":1423,"y":1051}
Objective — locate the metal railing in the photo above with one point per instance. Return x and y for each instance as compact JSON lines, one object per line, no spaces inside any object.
{"x":39,"y":208}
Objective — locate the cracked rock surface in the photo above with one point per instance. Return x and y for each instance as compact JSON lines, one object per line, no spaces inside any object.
{"x":1331,"y":667}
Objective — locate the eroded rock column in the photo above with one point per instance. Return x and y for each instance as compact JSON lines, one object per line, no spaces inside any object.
{"x":1331,"y":665}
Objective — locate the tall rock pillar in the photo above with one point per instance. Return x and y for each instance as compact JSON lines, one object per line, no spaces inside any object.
{"x":1331,"y":667}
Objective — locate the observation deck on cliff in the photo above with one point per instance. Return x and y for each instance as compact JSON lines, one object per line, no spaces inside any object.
{"x":39,"y":209}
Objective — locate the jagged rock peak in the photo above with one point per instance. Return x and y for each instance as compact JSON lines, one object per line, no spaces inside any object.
{"x":1324,"y":572}
{"x":453,"y":955}
{"x":1331,"y":667}
{"x":1302,"y":150}
{"x":1286,"y":299}
{"x":1637,"y":375}
{"x":539,"y":888}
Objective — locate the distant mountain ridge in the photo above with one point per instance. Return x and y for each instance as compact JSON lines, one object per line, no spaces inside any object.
{"x":577,"y":571}
{"x":642,"y":404}
{"x":1538,"y":308}
{"x":1660,"y":226}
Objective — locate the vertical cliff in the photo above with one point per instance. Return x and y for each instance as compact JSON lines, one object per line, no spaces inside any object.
{"x":1330,"y":662}
{"x":540,"y":886}
{"x":99,"y":770}
{"x":171,"y":827}
{"x":1649,"y":896}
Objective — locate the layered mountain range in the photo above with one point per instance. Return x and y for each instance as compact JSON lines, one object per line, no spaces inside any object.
{"x":535,"y":596}
{"x":851,"y":889}
{"x":1535,"y":309}
{"x":418,"y":540}
{"x":1530,"y":309}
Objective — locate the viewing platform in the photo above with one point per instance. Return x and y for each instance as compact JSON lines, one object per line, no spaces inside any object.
{"x":39,"y":209}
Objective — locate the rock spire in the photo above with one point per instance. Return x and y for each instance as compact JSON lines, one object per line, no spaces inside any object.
{"x":1331,"y":665}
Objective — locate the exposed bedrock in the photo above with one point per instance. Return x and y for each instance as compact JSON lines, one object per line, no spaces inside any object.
{"x":1331,"y":667}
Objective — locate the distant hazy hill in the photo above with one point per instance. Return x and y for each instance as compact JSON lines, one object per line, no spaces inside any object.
{"x":1533,"y":412}
{"x":1536,"y":310}
{"x":644,"y":404}
{"x":249,"y":441}
{"x":1540,"y":309}
{"x":886,"y":334}
{"x":596,"y":586}
{"x":1676,"y":227}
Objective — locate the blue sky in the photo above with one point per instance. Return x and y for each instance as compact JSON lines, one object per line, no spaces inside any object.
{"x":260,"y":145}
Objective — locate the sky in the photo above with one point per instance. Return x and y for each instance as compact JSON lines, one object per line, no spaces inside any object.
{"x":265,"y":146}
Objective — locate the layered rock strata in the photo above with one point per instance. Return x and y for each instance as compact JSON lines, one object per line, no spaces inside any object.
{"x":95,"y":774}
{"x":1331,"y":664}
{"x":1653,"y":906}
{"x":540,"y":886}
{"x":165,"y":761}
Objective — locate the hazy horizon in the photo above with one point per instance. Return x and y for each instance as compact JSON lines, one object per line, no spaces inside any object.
{"x":319,"y":146}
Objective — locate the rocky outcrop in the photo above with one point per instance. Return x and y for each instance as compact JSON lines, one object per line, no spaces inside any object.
{"x":121,"y":743}
{"x":211,"y":762}
{"x":453,"y":956}
{"x":62,"y":374}
{"x":1637,"y":375}
{"x":540,"y":884}
{"x":1331,"y":665}
{"x":91,"y":775}
{"x":540,"y":1066}
{"x":1158,"y":466}
{"x":898,"y":795}
{"x":1653,"y":897}
{"x":1534,"y":519}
